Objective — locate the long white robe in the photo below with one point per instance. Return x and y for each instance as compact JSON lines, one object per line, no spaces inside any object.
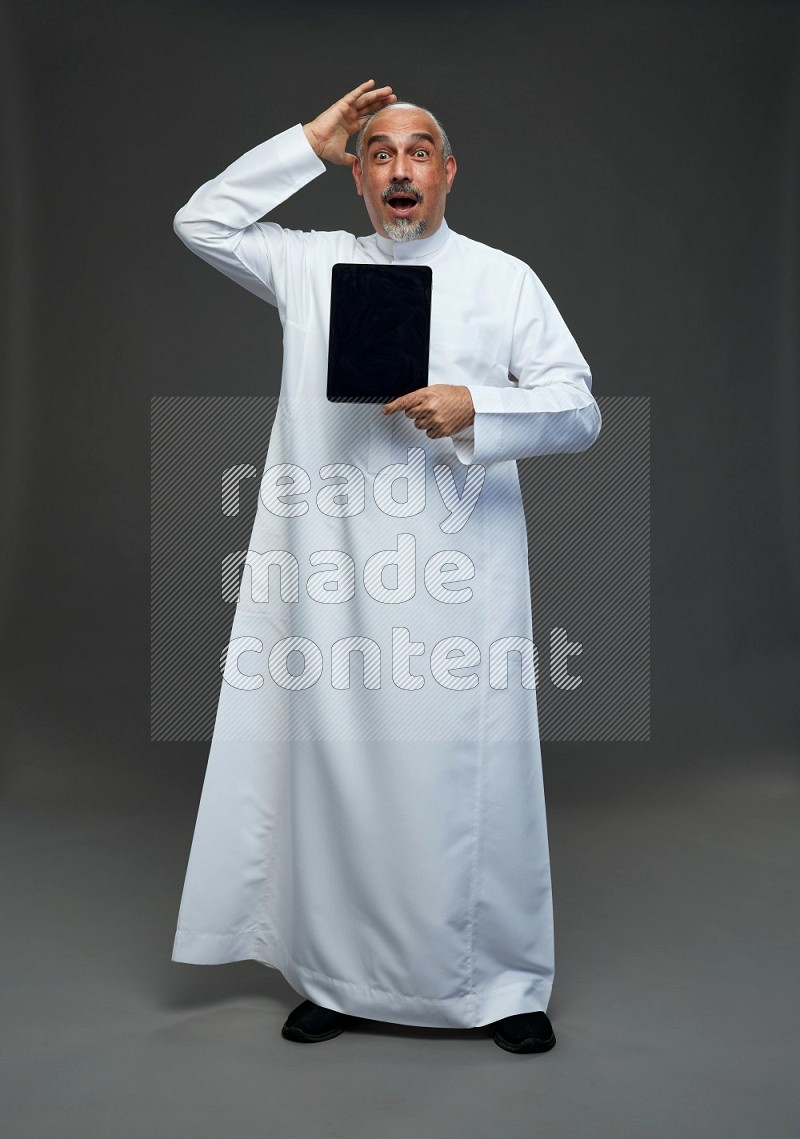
{"x":372,"y":822}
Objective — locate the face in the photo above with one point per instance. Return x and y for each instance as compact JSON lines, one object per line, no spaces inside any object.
{"x":402,"y":180}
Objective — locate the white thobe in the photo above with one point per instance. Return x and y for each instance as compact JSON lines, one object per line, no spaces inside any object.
{"x":372,"y":821}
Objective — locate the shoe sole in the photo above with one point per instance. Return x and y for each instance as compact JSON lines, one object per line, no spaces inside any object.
{"x":533,"y":1046}
{"x":301,"y":1037}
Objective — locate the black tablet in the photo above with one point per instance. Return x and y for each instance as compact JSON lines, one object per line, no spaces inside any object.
{"x":379,"y":331}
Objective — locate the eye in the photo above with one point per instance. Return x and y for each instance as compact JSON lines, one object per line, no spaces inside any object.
{"x":378,"y":153}
{"x":422,"y":151}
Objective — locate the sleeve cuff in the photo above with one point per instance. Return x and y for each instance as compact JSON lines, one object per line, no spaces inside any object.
{"x":482,"y":436}
{"x":510,"y":425}
{"x":298,"y":155}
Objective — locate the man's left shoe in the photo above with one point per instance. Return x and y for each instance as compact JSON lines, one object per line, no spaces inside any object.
{"x":525,"y":1032}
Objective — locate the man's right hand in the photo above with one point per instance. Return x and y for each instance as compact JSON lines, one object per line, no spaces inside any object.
{"x":329,"y":132}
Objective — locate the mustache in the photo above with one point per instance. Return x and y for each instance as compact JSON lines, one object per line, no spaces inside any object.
{"x":407,"y":188}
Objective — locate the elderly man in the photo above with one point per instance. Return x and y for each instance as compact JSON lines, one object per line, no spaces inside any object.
{"x":381,"y":840}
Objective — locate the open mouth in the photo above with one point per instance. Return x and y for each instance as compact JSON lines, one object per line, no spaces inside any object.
{"x":401,"y":204}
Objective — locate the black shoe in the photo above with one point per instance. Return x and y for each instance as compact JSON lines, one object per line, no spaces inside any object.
{"x":525,"y":1032}
{"x":309,"y":1023}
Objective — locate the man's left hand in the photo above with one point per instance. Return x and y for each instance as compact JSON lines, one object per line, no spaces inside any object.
{"x":440,"y":409}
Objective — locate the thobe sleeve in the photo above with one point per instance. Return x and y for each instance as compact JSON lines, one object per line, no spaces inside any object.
{"x":547,"y":406}
{"x":219,"y":222}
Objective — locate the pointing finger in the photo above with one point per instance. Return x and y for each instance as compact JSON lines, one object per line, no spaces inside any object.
{"x":398,"y":404}
{"x":404,"y":401}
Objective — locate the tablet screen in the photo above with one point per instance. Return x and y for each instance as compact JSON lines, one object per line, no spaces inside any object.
{"x":379,"y":331}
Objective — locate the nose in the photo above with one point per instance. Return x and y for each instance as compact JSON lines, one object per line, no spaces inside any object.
{"x":401,"y":168}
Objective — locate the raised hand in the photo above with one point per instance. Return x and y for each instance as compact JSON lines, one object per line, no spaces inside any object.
{"x":328,"y":133}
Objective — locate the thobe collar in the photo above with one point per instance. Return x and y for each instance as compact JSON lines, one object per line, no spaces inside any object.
{"x":419,"y":247}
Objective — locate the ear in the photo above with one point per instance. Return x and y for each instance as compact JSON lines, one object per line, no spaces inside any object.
{"x":356,"y":168}
{"x":450,"y":168}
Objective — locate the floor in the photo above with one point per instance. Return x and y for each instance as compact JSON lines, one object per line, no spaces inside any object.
{"x":675,"y":1004}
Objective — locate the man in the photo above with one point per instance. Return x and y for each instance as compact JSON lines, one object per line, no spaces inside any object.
{"x":380,"y":838}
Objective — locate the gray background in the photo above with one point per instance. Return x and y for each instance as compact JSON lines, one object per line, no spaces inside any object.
{"x":643,"y":159}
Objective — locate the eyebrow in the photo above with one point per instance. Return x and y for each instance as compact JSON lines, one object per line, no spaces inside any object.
{"x":387,"y":138}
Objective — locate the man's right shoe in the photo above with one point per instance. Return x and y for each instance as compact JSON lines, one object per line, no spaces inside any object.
{"x":309,"y":1023}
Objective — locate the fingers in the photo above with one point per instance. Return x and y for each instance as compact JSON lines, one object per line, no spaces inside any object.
{"x":362,"y":87}
{"x":367,"y":109}
{"x":364,"y":96}
{"x":400,"y":404}
{"x":381,"y":93}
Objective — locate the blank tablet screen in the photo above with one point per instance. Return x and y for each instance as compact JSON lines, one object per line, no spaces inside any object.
{"x":379,"y":331}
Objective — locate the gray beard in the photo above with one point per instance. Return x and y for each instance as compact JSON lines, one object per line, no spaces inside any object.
{"x":405,"y":230}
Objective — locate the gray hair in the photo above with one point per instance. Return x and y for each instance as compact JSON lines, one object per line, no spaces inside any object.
{"x":444,"y":141}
